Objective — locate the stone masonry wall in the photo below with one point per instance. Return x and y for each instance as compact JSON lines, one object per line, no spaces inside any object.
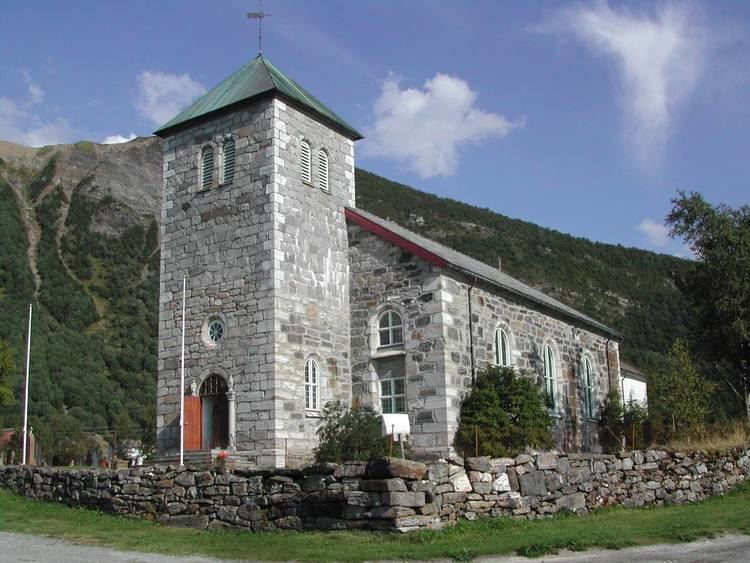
{"x":529,"y":328}
{"x":384,"y":277}
{"x":388,"y":494}
{"x":222,"y":238}
{"x":310,"y":269}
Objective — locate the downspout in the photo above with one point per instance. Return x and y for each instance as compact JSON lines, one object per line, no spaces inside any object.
{"x":471,"y":337}
{"x":609,"y":374}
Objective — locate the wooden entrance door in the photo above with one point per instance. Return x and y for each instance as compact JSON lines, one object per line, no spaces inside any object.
{"x":192,"y":423}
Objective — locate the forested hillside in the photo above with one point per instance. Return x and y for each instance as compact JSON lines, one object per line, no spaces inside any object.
{"x":79,"y":232}
{"x":629,"y":289}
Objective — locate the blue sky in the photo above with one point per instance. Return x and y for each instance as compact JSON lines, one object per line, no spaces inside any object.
{"x":584,"y":117}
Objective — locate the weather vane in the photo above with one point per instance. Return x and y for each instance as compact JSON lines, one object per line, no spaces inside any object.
{"x":259,"y":15}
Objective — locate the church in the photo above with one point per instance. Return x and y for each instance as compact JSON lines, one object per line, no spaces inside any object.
{"x":296,"y":298}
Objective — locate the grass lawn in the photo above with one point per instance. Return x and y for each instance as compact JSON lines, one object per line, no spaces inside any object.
{"x":610,"y":528}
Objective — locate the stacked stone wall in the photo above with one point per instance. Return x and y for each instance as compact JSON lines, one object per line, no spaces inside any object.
{"x":389,"y":494}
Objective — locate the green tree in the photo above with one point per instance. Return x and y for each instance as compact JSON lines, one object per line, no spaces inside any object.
{"x":7,"y":371}
{"x":679,"y":398}
{"x":505,"y":412}
{"x":611,"y":423}
{"x":719,"y":285}
{"x":68,"y":440}
{"x":349,"y":434}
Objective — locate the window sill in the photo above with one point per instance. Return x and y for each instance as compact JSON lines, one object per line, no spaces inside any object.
{"x":313,"y":414}
{"x":306,"y":183}
{"x":388,"y":354}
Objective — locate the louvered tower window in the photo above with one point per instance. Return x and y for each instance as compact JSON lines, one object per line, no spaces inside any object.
{"x":305,"y":161}
{"x":228,"y":161}
{"x":207,"y":167}
{"x":323,"y":171}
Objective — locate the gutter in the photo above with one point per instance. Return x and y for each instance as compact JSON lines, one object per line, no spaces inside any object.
{"x":471,"y":338}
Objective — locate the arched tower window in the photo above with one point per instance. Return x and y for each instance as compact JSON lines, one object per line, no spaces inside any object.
{"x":323,"y":170}
{"x":587,"y":375}
{"x":312,"y":385}
{"x":550,"y":377}
{"x":229,"y":157}
{"x":207,"y":167}
{"x":502,"y":348}
{"x":305,"y":161}
{"x":390,"y":329}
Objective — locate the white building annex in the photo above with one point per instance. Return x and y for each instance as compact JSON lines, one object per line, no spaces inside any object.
{"x":297,"y":298}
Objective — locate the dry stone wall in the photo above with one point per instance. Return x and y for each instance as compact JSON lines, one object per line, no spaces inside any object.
{"x":388,"y":494}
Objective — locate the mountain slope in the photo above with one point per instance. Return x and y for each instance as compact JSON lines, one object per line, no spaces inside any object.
{"x":79,"y":232}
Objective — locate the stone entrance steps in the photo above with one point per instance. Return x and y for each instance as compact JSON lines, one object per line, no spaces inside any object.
{"x":203,"y":458}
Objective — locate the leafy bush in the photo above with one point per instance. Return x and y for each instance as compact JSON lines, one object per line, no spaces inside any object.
{"x":350,"y":434}
{"x":505,"y":412}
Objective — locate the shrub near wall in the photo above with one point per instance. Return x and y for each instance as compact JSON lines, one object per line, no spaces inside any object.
{"x":388,"y":494}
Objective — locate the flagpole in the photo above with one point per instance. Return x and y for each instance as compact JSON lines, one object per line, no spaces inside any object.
{"x":26,"y":391}
{"x":182,"y":377}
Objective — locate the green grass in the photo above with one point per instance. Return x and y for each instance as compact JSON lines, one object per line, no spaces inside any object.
{"x":611,"y":528}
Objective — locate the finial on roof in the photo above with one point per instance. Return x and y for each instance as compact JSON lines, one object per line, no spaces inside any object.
{"x":259,"y":15}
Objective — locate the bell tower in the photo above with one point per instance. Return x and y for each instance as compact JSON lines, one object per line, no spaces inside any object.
{"x":257,"y":175}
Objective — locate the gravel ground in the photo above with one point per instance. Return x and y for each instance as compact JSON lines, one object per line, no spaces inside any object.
{"x":29,"y":548}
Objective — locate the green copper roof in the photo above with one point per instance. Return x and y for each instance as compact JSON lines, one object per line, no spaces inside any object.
{"x":257,"y":78}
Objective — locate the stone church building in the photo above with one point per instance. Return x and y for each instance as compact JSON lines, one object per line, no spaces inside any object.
{"x":295,"y":297}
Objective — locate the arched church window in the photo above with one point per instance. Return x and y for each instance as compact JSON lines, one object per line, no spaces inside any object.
{"x":390,"y":329}
{"x":229,"y":157}
{"x":213,"y":385}
{"x":207,"y":167}
{"x":305,"y":162}
{"x":587,"y":375}
{"x":312,"y":385}
{"x":550,"y":378}
{"x":502,"y":348}
{"x":323,"y":170}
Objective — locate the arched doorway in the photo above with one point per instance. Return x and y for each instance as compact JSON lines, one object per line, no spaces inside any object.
{"x":214,"y":413}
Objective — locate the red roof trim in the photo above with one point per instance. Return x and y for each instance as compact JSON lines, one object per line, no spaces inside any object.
{"x":392,"y":237}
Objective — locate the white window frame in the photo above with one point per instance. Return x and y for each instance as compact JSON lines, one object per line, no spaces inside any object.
{"x":502,"y":348}
{"x":391,"y":329}
{"x":589,"y":389}
{"x":312,"y":385}
{"x":207,"y":174}
{"x":389,"y":399}
{"x":305,"y":161}
{"x":323,"y":171}
{"x":550,"y":377}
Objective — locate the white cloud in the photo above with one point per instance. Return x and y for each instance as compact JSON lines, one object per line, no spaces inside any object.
{"x":657,"y":234}
{"x":660,"y":59}
{"x":161,"y":95}
{"x":19,"y":124}
{"x":117,"y":139}
{"x":424,"y":128}
{"x":36,"y":94}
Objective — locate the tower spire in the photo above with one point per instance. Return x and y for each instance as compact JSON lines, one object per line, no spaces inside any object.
{"x":259,"y":15}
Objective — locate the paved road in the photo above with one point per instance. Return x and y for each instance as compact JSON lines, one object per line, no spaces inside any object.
{"x":28,"y":548}
{"x":724,"y":549}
